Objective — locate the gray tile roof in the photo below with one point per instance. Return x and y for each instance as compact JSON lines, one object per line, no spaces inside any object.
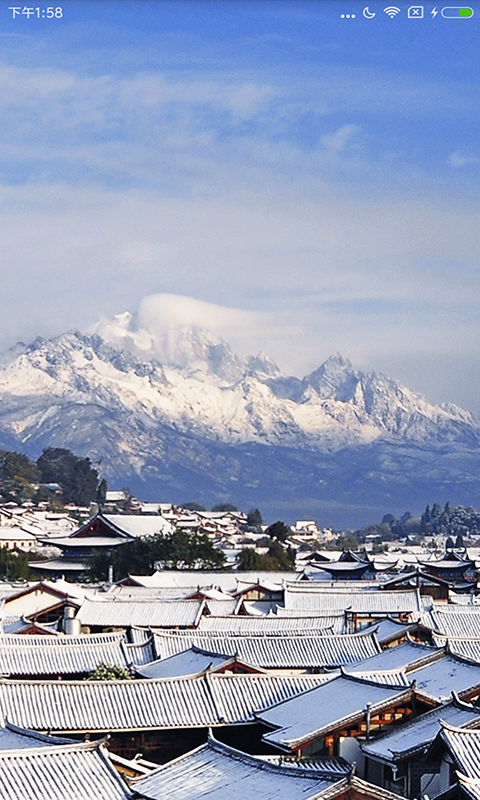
{"x":81,"y":706}
{"x":457,"y":621}
{"x":221,"y":608}
{"x":309,"y":595}
{"x":81,"y":771}
{"x":66,"y":655}
{"x":464,"y":746}
{"x":273,"y":652}
{"x":446,"y":675}
{"x":216,"y":771}
{"x":464,"y":648}
{"x":271,"y":624}
{"x":416,"y":736}
{"x":120,"y":613}
{"x":337,"y":703}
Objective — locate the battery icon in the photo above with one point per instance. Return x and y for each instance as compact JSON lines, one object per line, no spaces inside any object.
{"x":454,"y":12}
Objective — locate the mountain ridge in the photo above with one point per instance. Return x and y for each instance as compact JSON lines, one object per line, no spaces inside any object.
{"x":211,"y":425}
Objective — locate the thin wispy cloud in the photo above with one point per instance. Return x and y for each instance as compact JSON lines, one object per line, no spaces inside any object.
{"x":322,"y":188}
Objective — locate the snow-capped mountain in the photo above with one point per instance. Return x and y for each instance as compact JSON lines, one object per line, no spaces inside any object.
{"x":180,"y":416}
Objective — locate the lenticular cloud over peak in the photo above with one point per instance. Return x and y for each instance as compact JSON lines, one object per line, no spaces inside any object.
{"x":174,"y":329}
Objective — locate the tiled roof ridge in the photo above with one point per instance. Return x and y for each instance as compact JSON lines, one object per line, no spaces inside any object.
{"x":349,"y":718}
{"x":351,"y":676}
{"x":456,"y":729}
{"x":265,"y":766}
{"x":27,"y":752}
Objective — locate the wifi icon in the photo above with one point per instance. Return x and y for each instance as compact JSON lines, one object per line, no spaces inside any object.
{"x":392,"y":11}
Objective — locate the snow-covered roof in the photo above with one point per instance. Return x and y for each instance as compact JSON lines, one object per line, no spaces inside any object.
{"x":116,"y":612}
{"x":464,"y":746}
{"x":464,"y":648}
{"x":415,"y":736}
{"x":340,"y":702}
{"x":300,"y":651}
{"x":401,"y":656}
{"x":80,"y":770}
{"x":104,"y":706}
{"x":439,"y":678}
{"x":457,"y":621}
{"x":139,"y":524}
{"x":217,"y":771}
{"x":269,"y":625}
{"x":226,"y":581}
{"x":189,"y":662}
{"x":306,"y":595}
{"x":14,"y":533}
{"x":66,"y":655}
{"x":12,"y":737}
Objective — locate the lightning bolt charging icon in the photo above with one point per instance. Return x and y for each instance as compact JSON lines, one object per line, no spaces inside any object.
{"x":434,"y":12}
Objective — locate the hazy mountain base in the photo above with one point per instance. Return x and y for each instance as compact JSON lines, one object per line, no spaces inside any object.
{"x":347,"y":488}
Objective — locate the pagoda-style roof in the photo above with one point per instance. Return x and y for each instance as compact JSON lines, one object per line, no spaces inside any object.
{"x":350,"y":556}
{"x":346,"y":570}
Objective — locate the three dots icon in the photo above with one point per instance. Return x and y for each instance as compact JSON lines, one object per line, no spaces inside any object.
{"x":347,"y":16}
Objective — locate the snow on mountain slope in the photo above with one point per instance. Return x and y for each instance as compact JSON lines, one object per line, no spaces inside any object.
{"x":204,"y":411}
{"x":206,"y":388}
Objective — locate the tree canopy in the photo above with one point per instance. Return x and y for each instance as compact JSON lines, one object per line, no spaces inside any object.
{"x":178,"y":550}
{"x":276,"y":559}
{"x":19,"y":477}
{"x":278,"y":530}
{"x":109,"y":672}
{"x":76,"y":475}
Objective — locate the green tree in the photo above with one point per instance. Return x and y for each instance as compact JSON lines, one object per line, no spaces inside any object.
{"x":76,"y":476}
{"x":284,"y":558}
{"x":276,"y":559}
{"x":224,"y":507}
{"x":254,"y":519}
{"x":192,"y":505}
{"x":278,"y":530}
{"x":19,"y":476}
{"x":178,"y":550}
{"x":102,"y":492}
{"x":109,"y":672}
{"x":13,"y":566}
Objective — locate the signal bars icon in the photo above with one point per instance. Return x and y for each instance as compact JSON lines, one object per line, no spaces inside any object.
{"x":392,"y":11}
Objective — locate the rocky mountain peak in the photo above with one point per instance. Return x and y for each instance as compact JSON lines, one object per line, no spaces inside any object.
{"x":168,"y":406}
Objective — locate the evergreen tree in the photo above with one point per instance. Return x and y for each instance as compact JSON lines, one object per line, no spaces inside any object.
{"x":254,"y":519}
{"x":19,"y":476}
{"x":76,"y":475}
{"x":278,"y":530}
{"x":178,"y":550}
{"x":13,"y":566}
{"x":102,"y":492}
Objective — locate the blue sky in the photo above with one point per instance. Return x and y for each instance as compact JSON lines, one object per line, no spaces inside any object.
{"x":317,"y":176}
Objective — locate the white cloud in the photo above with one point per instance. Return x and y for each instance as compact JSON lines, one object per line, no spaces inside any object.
{"x":336,"y":142}
{"x":209,"y":187}
{"x":458,"y":159}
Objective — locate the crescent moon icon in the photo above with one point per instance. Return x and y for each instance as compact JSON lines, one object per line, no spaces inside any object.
{"x":367,"y":13}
